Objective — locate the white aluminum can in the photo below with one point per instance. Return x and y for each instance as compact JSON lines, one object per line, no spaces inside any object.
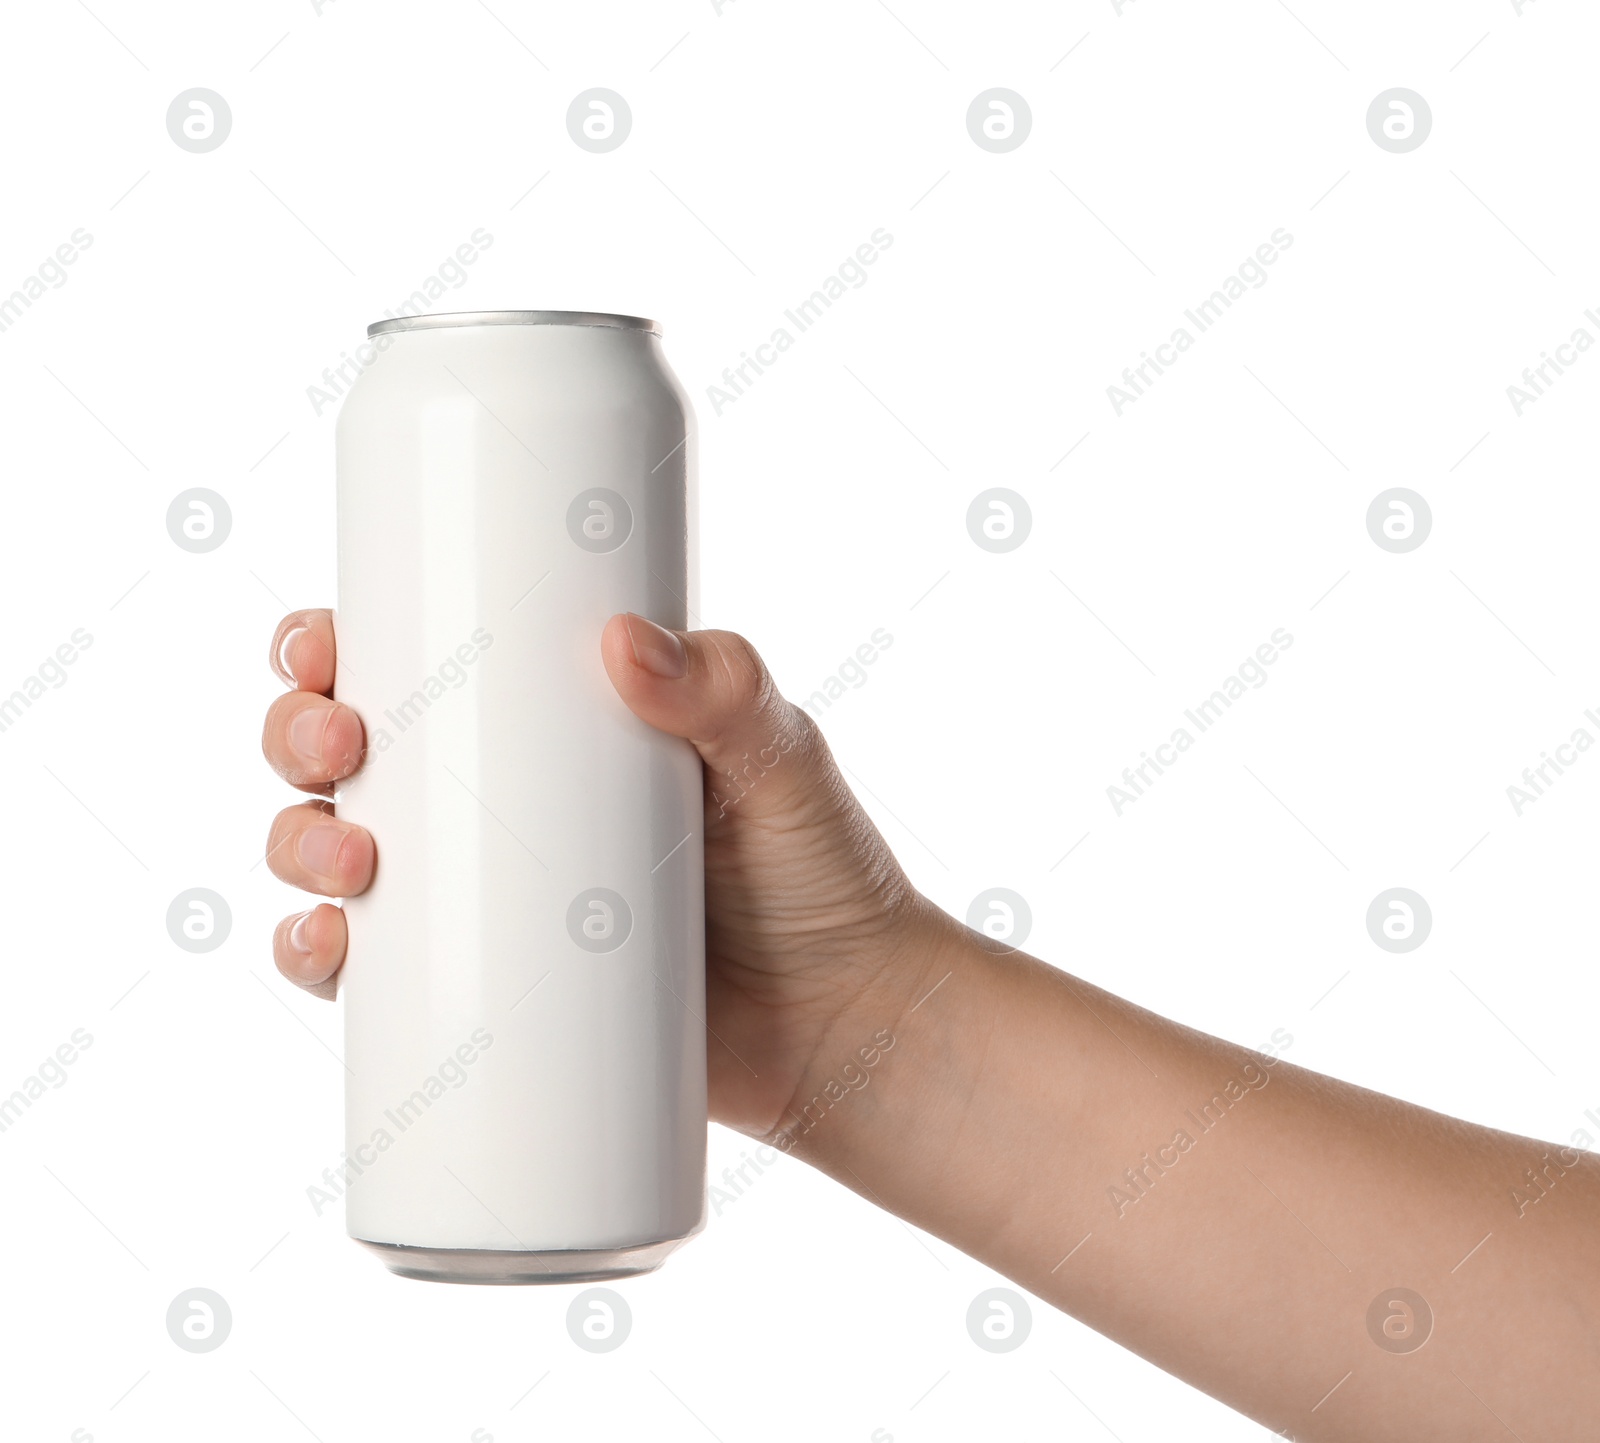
{"x":524,"y":990}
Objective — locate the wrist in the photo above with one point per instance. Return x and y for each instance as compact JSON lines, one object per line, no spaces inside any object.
{"x":860,"y":1074}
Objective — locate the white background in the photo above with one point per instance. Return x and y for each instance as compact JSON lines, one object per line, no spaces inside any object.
{"x":767,"y":143}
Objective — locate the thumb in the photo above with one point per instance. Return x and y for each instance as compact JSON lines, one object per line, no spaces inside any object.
{"x":713,"y":689}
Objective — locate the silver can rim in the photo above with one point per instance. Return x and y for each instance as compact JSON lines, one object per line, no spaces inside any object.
{"x":512,"y":318}
{"x":555,"y":1265}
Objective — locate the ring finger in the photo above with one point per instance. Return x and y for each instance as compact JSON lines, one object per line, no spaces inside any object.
{"x":310,"y":848}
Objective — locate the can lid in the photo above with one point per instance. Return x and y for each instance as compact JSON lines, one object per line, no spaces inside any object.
{"x":513,"y":318}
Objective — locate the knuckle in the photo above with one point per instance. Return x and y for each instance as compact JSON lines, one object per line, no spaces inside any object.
{"x":808,"y":739}
{"x":747,"y":681}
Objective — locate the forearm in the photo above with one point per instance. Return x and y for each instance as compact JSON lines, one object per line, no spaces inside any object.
{"x":1230,"y":1218}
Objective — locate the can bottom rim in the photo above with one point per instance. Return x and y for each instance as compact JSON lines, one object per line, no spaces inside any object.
{"x":493,"y":1266}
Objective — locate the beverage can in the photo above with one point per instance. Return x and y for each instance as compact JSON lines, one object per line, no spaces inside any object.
{"x":524,"y":989}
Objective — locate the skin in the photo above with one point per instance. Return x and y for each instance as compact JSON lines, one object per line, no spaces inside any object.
{"x":1032,"y":1120}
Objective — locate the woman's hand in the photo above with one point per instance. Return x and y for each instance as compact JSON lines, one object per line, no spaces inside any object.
{"x":809,"y":918}
{"x":1241,"y":1222}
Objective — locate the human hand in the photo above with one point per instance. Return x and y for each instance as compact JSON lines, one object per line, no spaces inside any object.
{"x":1024,"y":1114}
{"x":810,"y":921}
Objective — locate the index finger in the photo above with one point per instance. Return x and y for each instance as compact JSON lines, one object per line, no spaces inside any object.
{"x":303,"y":650}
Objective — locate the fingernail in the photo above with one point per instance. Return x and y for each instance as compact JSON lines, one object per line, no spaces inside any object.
{"x":656,"y":649}
{"x":298,"y":939}
{"x":306,"y":730}
{"x":283,"y":657}
{"x":318,"y":848}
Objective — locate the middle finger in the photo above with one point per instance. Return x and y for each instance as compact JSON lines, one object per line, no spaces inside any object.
{"x":312,"y":741}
